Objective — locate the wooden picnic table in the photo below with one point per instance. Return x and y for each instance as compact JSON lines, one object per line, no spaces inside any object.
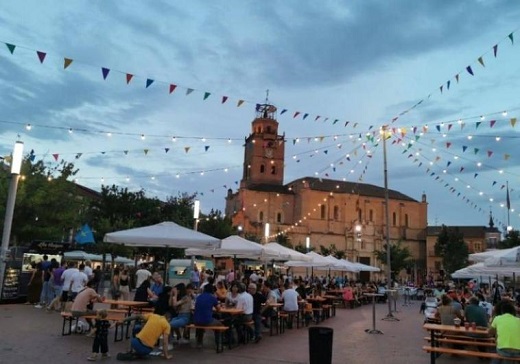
{"x":130,"y":304}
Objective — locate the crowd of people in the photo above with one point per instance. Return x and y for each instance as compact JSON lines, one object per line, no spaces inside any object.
{"x":493,"y":309}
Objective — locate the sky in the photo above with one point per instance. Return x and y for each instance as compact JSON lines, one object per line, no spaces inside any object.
{"x":340,"y":69}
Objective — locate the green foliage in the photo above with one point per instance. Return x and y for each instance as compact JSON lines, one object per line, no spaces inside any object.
{"x":451,"y":247}
{"x":512,"y":239}
{"x":284,"y":240}
{"x":217,"y":225}
{"x":332,"y":250}
{"x":400,"y":257}
{"x":47,"y":204}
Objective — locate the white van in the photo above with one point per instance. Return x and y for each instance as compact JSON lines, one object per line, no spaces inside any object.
{"x":180,"y":270}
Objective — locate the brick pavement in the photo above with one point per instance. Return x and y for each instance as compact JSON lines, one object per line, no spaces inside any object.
{"x":29,"y":335}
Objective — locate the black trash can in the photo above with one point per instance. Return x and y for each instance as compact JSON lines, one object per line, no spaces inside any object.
{"x":320,"y":345}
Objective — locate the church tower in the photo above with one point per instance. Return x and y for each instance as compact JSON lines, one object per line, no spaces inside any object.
{"x":264,"y":150}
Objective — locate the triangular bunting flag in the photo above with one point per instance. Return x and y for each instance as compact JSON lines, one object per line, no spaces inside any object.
{"x":489,"y":153}
{"x":449,"y":126}
{"x":166,"y":150}
{"x":296,"y":114}
{"x":305,"y":116}
{"x":172,"y":87}
{"x":105,"y":72}
{"x":189,"y":91}
{"x":326,"y":151}
{"x":507,"y":156}
{"x":470,"y":71}
{"x":481,"y":61}
{"x":240,"y":102}
{"x":283,"y":111}
{"x":510,"y":36}
{"x":477,"y":124}
{"x":438,"y":127}
{"x":187,"y":149}
{"x":461,"y":169}
{"x":448,"y":144}
{"x":513,"y":122}
{"x":492,"y":123}
{"x":346,"y":123}
{"x":457,"y":77}
{"x":129,"y":77}
{"x":448,"y":164}
{"x":475,"y":175}
{"x":146,"y":151}
{"x":464,"y":148}
{"x":317,"y":117}
{"x":66,"y":63}
{"x":11,"y":47}
{"x":495,"y":50}
{"x":149,"y":81}
{"x":206,"y":95}
{"x":494,"y":183}
{"x":441,"y":88}
{"x":335,"y":121}
{"x":224,"y":99}
{"x":126,"y":152}
{"x":41,"y":56}
{"x":476,"y":150}
{"x":78,"y":156}
{"x":448,"y":84}
{"x":56,"y":156}
{"x":206,"y":147}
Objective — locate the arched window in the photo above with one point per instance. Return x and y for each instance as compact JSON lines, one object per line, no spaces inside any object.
{"x":279,"y":218}
{"x":262,"y":168}
{"x":259,"y":130}
{"x":261,"y":216}
{"x":273,"y":169}
{"x":323,"y":212}
{"x":336,"y":212}
{"x":394,"y":219}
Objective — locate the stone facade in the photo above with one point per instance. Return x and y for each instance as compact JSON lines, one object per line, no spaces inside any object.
{"x":349,"y":215}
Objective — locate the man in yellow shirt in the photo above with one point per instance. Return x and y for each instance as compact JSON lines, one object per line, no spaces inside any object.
{"x":156,"y":324}
{"x":506,"y":327}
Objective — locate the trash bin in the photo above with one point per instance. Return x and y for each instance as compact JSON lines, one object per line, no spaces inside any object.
{"x":320,"y":345}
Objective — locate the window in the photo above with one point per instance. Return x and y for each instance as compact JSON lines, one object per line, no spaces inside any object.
{"x":323,"y":212}
{"x":259,"y":130}
{"x":394,"y":219}
{"x":268,"y":129}
{"x":477,"y":246}
{"x":371,"y":215}
{"x":360,"y":215}
{"x":262,"y":168}
{"x":406,"y":220}
{"x":336,"y":212}
{"x":279,"y":217}
{"x":273,"y":169}
{"x":261,"y":216}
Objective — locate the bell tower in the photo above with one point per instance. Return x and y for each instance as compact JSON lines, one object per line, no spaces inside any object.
{"x":264,"y":150}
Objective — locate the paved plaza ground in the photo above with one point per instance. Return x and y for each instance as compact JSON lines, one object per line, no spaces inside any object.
{"x":30,"y":335}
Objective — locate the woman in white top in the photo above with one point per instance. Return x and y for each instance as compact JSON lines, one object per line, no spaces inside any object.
{"x":232,"y":296}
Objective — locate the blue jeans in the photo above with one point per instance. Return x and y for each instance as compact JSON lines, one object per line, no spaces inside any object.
{"x":257,"y":318}
{"x":180,"y":321}
{"x":139,"y":348}
{"x":506,"y":353}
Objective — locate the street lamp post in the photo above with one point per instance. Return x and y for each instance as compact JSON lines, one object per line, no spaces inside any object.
{"x":196,"y":212}
{"x":266,"y":232}
{"x":389,"y":316}
{"x":16,"y":165}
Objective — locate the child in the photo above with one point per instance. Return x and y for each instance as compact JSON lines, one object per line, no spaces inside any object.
{"x":100,"y":333}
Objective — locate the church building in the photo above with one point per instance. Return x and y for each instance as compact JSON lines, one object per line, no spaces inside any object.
{"x":313,"y":211}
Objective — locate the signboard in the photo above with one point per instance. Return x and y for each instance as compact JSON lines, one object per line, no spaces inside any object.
{"x":48,"y":247}
{"x":11,"y":283}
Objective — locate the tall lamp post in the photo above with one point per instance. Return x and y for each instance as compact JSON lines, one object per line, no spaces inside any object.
{"x":196,"y":213}
{"x":16,"y":165}
{"x":389,"y":316}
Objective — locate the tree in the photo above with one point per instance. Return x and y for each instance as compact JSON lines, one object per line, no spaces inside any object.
{"x":512,"y":239}
{"x":47,"y":203}
{"x":451,"y":247}
{"x":400,"y":257}
{"x":332,"y":250}
{"x":217,"y":225}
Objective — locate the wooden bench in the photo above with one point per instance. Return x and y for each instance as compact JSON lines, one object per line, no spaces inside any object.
{"x":470,"y":353}
{"x":115,"y":317}
{"x":464,"y":340}
{"x":218,"y":334}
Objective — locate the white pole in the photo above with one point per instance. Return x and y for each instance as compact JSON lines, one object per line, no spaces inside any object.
{"x":16,"y":165}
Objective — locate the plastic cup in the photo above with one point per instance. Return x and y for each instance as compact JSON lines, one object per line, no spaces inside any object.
{"x":466,"y":325}
{"x":456,"y":322}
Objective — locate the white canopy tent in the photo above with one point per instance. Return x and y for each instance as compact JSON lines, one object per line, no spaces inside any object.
{"x":482,"y":270}
{"x":364,"y":267}
{"x":236,"y":247}
{"x":482,"y":256}
{"x":504,"y":258}
{"x":81,"y":255}
{"x":286,"y":253}
{"x":342,"y":265}
{"x":163,"y":235}
{"x":316,"y":261}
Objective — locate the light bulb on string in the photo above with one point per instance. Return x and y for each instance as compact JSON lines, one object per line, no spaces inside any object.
{"x":174,"y":139}
{"x":28,"y":127}
{"x":70,"y":130}
{"x":504,"y":113}
{"x":143,"y":137}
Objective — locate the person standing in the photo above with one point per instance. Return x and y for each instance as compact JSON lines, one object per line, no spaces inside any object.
{"x":258,"y":300}
{"x":141,"y":275}
{"x":46,"y":276}
{"x":195,"y":277}
{"x":78,"y":282}
{"x":100,"y":332}
{"x":290,"y":303}
{"x":66,"y":278}
{"x":124,"y":285}
{"x":35,"y":284}
{"x":88,"y":270}
{"x":57,"y":284}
